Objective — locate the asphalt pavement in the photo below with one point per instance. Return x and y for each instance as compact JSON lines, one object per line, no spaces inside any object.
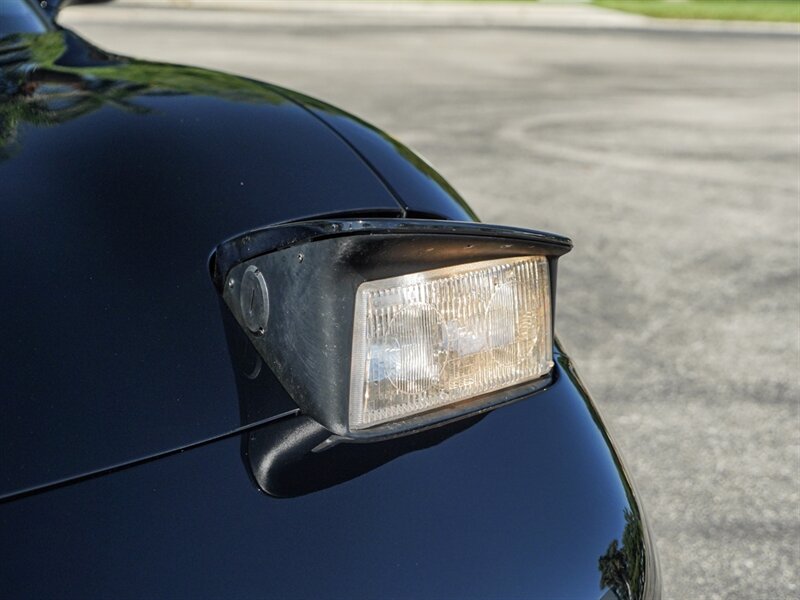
{"x":670,"y":154}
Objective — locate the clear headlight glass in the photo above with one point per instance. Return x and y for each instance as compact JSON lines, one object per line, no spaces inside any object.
{"x":430,"y":339}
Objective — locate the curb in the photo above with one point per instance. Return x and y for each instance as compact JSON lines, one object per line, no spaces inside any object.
{"x":556,"y":15}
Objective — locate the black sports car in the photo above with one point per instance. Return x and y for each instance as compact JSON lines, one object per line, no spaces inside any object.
{"x":252,"y":345}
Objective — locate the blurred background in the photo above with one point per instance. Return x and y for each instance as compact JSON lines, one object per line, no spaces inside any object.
{"x":664,"y":138}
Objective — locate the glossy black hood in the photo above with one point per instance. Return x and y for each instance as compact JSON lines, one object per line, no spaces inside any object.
{"x":117,"y":180}
{"x":529,"y":502}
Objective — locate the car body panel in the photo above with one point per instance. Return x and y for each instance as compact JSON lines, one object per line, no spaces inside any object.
{"x":419,"y":188}
{"x":132,"y":413}
{"x":522,"y":503}
{"x":111,"y":323}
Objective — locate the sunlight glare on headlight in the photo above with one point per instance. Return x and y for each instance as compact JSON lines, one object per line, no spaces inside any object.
{"x":434,"y":338}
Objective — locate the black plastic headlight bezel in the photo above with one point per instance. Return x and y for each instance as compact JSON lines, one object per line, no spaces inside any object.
{"x":313,"y":270}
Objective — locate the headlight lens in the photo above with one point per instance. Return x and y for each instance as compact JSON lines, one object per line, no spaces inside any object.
{"x":429,"y":339}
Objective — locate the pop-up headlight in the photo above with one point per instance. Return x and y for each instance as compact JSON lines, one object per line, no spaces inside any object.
{"x":378,"y":328}
{"x":430,"y":339}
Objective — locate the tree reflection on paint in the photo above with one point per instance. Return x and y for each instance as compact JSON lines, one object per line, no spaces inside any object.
{"x":50,"y":78}
{"x":622,"y":567}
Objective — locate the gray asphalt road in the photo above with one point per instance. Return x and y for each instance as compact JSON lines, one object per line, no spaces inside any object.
{"x":672,"y":160}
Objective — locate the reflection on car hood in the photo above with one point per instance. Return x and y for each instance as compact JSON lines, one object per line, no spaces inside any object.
{"x":118,"y":179}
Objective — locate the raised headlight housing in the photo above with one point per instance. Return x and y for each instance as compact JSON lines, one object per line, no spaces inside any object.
{"x":379,"y":328}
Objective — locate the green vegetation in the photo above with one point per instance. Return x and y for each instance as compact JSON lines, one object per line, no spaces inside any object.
{"x":734,"y":10}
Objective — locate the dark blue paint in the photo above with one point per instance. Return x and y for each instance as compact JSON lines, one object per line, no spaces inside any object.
{"x":18,"y":16}
{"x":117,"y":180}
{"x":111,"y":325}
{"x":420,"y":189}
{"x":521,"y":504}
